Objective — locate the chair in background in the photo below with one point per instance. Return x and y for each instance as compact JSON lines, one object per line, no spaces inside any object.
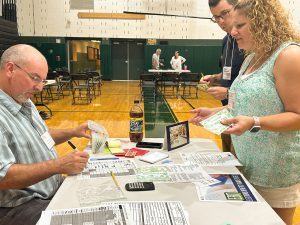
{"x":81,"y":89}
{"x":169,"y":84}
{"x":95,"y":82}
{"x":189,"y":82}
{"x":53,"y":91}
{"x":148,"y":86}
{"x":65,"y":82}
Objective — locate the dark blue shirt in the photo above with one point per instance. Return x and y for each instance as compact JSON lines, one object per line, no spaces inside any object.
{"x":233,"y":57}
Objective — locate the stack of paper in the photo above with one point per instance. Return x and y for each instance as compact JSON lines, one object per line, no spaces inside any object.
{"x":114,"y":147}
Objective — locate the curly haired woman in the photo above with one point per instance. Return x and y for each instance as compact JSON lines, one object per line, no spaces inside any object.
{"x":265,"y":102}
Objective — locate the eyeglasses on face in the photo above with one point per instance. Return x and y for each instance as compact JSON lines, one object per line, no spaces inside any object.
{"x":222,"y":16}
{"x":34,"y":77}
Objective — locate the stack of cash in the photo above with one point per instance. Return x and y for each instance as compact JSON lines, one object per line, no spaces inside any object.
{"x":99,"y":136}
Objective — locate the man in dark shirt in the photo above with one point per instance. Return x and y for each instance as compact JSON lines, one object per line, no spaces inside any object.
{"x":232,"y":58}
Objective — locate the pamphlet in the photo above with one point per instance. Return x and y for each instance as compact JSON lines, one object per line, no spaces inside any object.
{"x":232,"y":187}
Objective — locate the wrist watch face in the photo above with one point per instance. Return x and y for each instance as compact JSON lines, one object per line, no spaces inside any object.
{"x":255,"y":129}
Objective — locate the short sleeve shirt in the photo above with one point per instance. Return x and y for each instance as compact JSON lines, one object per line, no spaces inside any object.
{"x":21,"y":128}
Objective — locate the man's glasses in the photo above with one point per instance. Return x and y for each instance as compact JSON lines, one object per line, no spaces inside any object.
{"x":34,"y":77}
{"x":222,"y":15}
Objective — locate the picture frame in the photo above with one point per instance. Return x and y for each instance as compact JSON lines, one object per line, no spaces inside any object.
{"x":93,"y":53}
{"x":90,"y":53}
{"x":177,"y":135}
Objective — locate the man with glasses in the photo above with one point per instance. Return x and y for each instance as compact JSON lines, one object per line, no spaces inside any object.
{"x":30,"y":171}
{"x":232,"y":58}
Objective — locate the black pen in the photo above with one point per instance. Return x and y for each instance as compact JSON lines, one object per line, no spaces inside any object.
{"x":73,"y":146}
{"x":106,"y":144}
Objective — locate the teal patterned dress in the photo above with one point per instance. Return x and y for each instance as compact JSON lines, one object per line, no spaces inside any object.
{"x":270,"y":159}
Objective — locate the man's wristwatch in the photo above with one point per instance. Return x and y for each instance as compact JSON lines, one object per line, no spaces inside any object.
{"x":256,"y":127}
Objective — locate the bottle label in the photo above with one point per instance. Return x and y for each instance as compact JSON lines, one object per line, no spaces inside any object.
{"x":136,"y":125}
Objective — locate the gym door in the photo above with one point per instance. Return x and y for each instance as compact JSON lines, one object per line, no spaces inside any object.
{"x":127,"y":59}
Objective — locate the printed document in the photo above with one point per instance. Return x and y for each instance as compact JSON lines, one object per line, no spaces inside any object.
{"x":103,"y":168}
{"x":232,"y":187}
{"x":211,"y":158}
{"x":175,"y":173}
{"x":121,"y":213}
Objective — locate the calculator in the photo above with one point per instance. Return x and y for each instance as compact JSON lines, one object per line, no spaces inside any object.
{"x":140,"y":186}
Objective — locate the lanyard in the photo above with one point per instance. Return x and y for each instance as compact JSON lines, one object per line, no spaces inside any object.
{"x":227,"y":51}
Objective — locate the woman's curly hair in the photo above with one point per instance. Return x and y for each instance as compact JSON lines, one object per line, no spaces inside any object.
{"x":269,"y":24}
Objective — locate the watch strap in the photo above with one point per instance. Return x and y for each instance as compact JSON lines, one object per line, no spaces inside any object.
{"x":256,"y":126}
{"x":256,"y":121}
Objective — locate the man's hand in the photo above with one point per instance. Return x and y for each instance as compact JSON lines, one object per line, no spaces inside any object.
{"x":219,"y":93}
{"x":81,"y":131}
{"x":72,"y":163}
{"x":208,"y":79}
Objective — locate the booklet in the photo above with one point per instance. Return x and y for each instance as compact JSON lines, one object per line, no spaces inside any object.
{"x":232,"y":187}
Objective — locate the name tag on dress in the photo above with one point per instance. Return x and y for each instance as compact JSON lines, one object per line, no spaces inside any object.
{"x":48,"y":140}
{"x":227,"y":73}
{"x":231,"y":100}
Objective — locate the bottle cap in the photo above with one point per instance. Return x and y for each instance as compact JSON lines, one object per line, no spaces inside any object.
{"x":136,"y":101}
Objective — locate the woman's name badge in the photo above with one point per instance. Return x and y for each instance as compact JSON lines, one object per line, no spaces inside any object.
{"x":48,"y":140}
{"x":227,"y":73}
{"x":231,"y":99}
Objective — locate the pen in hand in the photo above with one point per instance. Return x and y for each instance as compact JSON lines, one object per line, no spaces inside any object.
{"x":73,"y":146}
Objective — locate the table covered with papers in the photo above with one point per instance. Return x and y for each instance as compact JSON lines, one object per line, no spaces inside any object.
{"x":184,"y":193}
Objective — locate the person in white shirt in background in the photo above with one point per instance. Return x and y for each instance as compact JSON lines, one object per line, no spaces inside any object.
{"x":177,"y":61}
{"x":155,"y":59}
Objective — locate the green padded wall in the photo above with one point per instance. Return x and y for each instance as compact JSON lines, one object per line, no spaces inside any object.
{"x":202,"y":55}
{"x":50,"y":50}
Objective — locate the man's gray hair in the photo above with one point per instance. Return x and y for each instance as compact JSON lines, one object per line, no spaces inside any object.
{"x":214,"y":3}
{"x":19,"y":54}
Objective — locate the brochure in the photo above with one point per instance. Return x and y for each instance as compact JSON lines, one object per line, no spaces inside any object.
{"x":232,"y":187}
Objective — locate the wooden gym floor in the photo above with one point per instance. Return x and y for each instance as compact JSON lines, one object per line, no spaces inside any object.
{"x":111,"y":109}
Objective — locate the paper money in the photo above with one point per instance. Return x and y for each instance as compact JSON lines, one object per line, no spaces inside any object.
{"x":99,"y":136}
{"x":202,"y":87}
{"x":213,"y":123}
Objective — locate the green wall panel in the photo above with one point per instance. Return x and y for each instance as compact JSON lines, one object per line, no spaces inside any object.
{"x":105,"y":57}
{"x":55,"y":53}
{"x":200,"y":58}
{"x":202,"y":55}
